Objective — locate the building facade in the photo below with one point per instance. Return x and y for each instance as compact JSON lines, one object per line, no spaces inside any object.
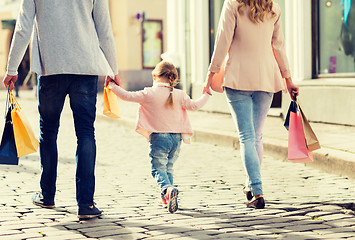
{"x":319,"y":45}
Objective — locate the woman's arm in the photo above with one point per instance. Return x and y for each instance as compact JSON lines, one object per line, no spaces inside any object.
{"x":278,"y":45}
{"x":224,"y":36}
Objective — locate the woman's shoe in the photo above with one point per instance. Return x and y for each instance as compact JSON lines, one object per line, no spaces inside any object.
{"x":258,"y":203}
{"x":247,"y":193}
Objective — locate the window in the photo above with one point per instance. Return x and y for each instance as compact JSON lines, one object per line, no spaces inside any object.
{"x":215,"y":8}
{"x":152,"y":43}
{"x":336,"y":37}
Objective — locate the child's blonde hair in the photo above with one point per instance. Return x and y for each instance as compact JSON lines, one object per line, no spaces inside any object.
{"x":168,"y":71}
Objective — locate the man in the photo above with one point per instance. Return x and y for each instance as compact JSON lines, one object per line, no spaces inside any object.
{"x":72,"y":45}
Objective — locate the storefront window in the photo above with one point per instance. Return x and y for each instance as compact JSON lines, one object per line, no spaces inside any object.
{"x":336,"y":37}
{"x":215,"y":8}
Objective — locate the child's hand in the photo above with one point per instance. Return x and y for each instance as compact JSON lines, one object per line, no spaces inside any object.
{"x":116,"y":80}
{"x":207,"y":90}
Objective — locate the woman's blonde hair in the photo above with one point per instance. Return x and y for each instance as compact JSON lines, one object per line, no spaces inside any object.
{"x":168,"y":71}
{"x":258,"y":9}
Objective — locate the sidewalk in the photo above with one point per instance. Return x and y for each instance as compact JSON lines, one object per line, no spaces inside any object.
{"x":302,"y":203}
{"x":337,"y":154}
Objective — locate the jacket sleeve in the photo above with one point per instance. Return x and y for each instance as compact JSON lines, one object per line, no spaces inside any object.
{"x":138,"y":96}
{"x":192,"y":105}
{"x":278,"y":45}
{"x":224,"y":36}
{"x":22,"y":36}
{"x":101,"y":16}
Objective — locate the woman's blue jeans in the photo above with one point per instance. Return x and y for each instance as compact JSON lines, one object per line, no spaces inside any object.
{"x":82,"y":91}
{"x":164,"y":151}
{"x":249,"y":110}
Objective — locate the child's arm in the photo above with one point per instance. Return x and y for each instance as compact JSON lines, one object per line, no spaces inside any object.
{"x":138,"y":96}
{"x":196,"y":104}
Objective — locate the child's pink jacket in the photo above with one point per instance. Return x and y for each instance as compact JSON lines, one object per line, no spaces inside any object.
{"x":153,"y":116}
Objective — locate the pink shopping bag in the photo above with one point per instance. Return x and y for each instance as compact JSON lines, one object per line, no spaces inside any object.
{"x":297,"y":147}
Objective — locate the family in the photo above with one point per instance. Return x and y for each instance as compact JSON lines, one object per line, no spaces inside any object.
{"x":73,"y":44}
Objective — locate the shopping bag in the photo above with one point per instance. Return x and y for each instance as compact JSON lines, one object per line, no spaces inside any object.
{"x":26,"y":142}
{"x":8,"y":152}
{"x":111,"y":108}
{"x":311,"y":138}
{"x":297,"y":148}
{"x":218,"y":79}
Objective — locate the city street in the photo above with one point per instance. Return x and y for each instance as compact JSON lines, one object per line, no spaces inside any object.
{"x":301,"y":202}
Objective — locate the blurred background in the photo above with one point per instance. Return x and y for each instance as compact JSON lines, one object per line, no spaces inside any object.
{"x":320,"y":44}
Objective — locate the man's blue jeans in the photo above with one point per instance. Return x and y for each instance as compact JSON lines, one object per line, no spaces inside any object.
{"x":164,"y":151}
{"x":249,"y":110}
{"x":82,"y":91}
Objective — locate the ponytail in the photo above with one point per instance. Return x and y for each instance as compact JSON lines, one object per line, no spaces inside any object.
{"x":172,"y":79}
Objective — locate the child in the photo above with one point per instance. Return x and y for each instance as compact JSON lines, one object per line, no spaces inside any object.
{"x":163,"y":120}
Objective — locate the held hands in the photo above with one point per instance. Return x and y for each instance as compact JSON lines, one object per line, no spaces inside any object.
{"x":207,"y":87}
{"x":292,"y":89}
{"x":9,"y":81}
{"x":116,"y":80}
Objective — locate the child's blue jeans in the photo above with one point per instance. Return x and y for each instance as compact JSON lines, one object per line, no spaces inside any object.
{"x":164,"y":151}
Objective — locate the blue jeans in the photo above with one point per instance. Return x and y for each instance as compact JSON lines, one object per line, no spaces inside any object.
{"x":82,"y":91}
{"x":164,"y":151}
{"x":249,"y":110}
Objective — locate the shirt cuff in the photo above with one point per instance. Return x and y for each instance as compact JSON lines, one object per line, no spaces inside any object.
{"x":286,"y":74}
{"x":214,"y":68}
{"x":11,"y":73}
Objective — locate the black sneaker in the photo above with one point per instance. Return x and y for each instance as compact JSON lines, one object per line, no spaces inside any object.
{"x":88,"y":212}
{"x":39,"y":200}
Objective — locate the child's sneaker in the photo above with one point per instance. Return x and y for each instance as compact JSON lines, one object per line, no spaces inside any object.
{"x":163,"y":202}
{"x":171,"y":198}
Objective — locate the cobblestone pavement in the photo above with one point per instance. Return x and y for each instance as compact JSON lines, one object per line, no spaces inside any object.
{"x":302,"y":203}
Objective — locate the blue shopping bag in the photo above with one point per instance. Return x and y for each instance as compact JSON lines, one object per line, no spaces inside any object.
{"x":8,"y":151}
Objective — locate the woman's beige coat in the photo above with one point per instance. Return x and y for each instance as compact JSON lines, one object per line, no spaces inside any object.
{"x":256,"y":57}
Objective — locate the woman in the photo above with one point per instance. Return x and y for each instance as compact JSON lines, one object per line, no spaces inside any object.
{"x":250,"y":38}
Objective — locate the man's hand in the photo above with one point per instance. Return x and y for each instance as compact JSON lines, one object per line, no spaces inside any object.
{"x":9,"y":81}
{"x":117,"y":80}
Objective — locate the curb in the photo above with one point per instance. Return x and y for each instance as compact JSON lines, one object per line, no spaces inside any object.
{"x":325,"y":159}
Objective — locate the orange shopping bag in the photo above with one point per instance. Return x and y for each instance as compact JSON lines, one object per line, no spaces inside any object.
{"x":111,"y":108}
{"x":25,"y":140}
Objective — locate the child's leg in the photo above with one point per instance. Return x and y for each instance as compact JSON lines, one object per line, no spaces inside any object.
{"x":173,"y":156}
{"x":160,"y":147}
{"x":172,"y":192}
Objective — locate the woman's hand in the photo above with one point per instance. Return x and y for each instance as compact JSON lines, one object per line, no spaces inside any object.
{"x":207,"y":86}
{"x":117,"y":80}
{"x":9,"y":81}
{"x":292,"y":89}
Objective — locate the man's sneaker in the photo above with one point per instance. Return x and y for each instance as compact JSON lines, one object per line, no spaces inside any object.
{"x":88,"y":212}
{"x":163,"y":202}
{"x":171,"y":197}
{"x":39,"y":200}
